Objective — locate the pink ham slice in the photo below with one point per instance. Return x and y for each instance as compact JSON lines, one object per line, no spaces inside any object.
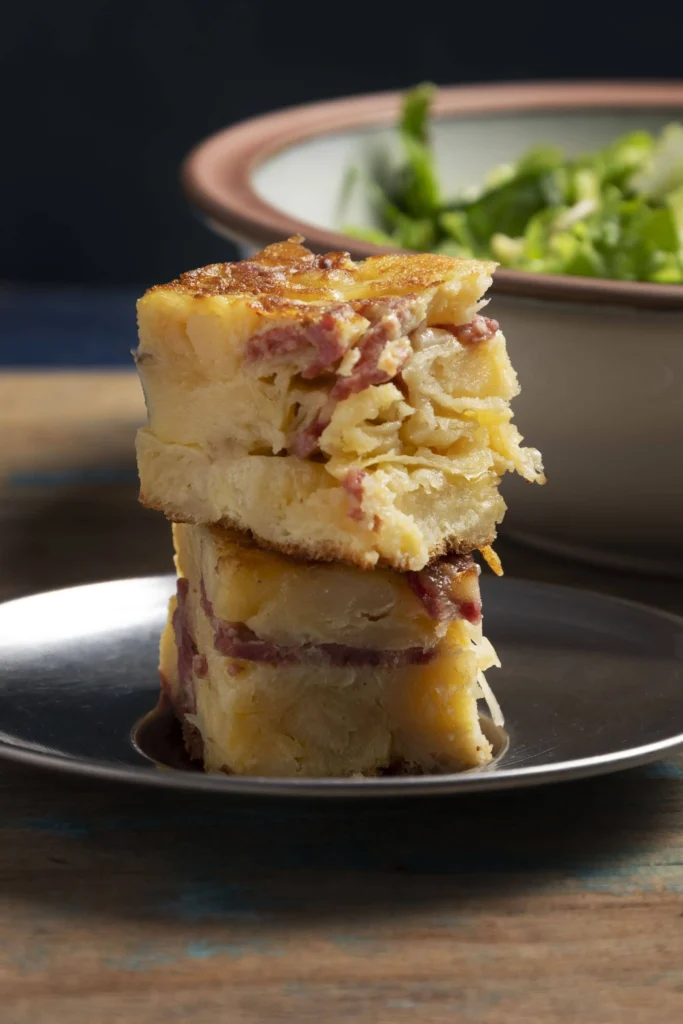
{"x":236,"y":640}
{"x":323,"y":338}
{"x":306,"y":441}
{"x":481,"y":328}
{"x":436,"y":584}
{"x":353,"y":485}
{"x":190,"y":662}
{"x":392,"y":320}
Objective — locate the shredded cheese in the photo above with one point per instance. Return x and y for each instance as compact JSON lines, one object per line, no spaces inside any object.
{"x":494,"y":706}
{"x":492,"y":560}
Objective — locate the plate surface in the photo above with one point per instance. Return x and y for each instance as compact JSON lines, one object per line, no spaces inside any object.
{"x":589,"y":684}
{"x":652,"y":560}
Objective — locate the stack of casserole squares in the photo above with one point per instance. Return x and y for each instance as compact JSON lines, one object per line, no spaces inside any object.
{"x":328,"y":439}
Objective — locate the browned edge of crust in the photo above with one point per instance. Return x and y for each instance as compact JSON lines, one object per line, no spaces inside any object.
{"x":274,"y":279}
{"x":321,"y":553}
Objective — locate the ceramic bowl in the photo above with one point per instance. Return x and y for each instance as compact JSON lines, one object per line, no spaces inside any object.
{"x":601,"y":361}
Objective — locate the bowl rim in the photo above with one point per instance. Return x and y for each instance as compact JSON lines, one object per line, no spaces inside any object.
{"x":217,"y":175}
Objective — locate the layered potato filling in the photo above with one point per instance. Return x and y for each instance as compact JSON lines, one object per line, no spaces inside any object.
{"x":279,"y":667}
{"x":336,"y":410}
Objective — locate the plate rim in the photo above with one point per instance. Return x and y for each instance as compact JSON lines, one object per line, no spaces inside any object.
{"x":344,"y":788}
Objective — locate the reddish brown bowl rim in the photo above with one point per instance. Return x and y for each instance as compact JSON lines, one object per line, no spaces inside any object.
{"x":217,"y":175}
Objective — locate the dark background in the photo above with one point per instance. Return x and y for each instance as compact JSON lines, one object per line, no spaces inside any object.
{"x":101,"y":100}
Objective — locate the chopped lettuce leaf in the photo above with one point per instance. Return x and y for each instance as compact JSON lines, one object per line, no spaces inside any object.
{"x":538,"y":160}
{"x":575,"y":255}
{"x":449,"y":247}
{"x":498,"y":176}
{"x":416,"y":190}
{"x":455,"y":224}
{"x":664,"y":171}
{"x":667,"y":269}
{"x":508,"y":251}
{"x":626,"y":155}
{"x":584,"y":184}
{"x":374,"y":235}
{"x":412,"y":232}
{"x":657,"y":229}
{"x":507,"y":208}
{"x":415,"y":112}
{"x":674,"y":201}
{"x":579,"y":211}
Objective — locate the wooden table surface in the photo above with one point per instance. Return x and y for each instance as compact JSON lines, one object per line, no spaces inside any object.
{"x":561,"y":904}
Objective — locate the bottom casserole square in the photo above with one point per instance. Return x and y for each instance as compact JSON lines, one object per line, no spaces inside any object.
{"x":280,"y":667}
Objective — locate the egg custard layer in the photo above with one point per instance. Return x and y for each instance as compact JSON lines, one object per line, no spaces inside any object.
{"x":356,"y":412}
{"x":278,"y":667}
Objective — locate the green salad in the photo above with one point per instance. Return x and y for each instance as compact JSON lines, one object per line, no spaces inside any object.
{"x":615,"y":213}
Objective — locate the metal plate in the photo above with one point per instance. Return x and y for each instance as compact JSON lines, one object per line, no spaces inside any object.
{"x":651,"y":560}
{"x":589,"y":684}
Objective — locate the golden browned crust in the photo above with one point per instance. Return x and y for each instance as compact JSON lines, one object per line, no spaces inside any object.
{"x":334,"y":553}
{"x":288,"y":271}
{"x":322,"y":552}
